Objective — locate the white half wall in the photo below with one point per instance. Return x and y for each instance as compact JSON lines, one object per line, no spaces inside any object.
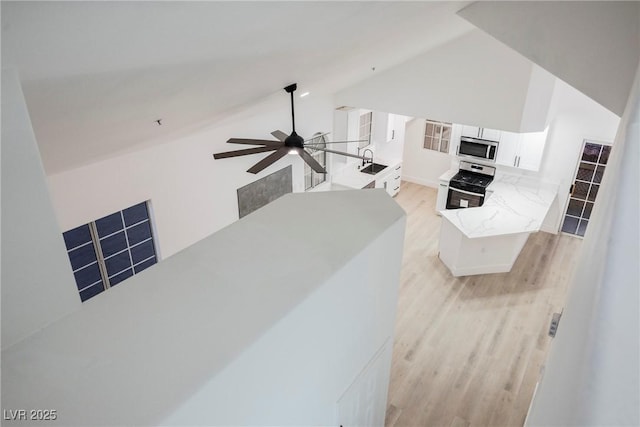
{"x":192,"y":194}
{"x":474,"y":80}
{"x":593,"y":45}
{"x":37,"y":283}
{"x":419,"y":165}
{"x":268,"y":322}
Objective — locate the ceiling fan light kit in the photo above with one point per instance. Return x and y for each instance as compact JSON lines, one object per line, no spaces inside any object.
{"x":285,"y":144}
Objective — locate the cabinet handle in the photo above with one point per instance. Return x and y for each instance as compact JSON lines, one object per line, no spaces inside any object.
{"x":518,"y":161}
{"x":393,"y":134}
{"x":396,"y":189}
{"x":515,"y":159}
{"x":397,"y":177}
{"x":398,"y":168}
{"x":457,"y":149}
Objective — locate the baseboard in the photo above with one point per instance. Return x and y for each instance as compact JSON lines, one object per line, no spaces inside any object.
{"x":421,"y":181}
{"x":485,"y":269}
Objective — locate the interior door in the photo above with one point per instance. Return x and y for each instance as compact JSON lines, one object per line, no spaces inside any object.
{"x":585,"y":187}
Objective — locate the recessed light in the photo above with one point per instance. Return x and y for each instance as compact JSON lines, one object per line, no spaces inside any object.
{"x":302,"y":95}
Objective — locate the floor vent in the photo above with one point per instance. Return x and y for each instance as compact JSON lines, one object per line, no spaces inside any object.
{"x":554,"y":324}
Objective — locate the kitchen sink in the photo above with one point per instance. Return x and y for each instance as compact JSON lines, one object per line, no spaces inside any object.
{"x":373,"y":168}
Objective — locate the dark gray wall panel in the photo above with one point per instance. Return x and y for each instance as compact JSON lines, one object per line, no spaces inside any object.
{"x":265,"y":190}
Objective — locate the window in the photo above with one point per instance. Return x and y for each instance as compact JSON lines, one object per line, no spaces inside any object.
{"x":437,"y":136}
{"x":364,"y":133}
{"x":111,"y":249}
{"x":584,"y":190}
{"x":311,"y":177}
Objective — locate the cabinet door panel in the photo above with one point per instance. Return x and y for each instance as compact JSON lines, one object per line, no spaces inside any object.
{"x":490,"y":134}
{"x":472,"y":131}
{"x":531,"y":150}
{"x":508,"y":149}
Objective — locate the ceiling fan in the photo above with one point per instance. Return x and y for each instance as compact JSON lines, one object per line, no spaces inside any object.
{"x":286,"y":144}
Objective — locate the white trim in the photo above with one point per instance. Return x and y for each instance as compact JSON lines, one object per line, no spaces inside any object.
{"x":126,"y":236}
{"x":79,"y":246}
{"x":122,"y":271}
{"x":141,"y":242}
{"x":154,"y":230}
{"x":85,"y":266}
{"x":93,"y":284}
{"x":126,"y":227}
{"x":143,"y":261}
{"x":417,"y":180}
{"x":117,"y":253}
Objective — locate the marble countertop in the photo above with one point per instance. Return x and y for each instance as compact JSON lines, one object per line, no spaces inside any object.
{"x":517,"y":205}
{"x":446,"y":177}
{"x":350,"y":175}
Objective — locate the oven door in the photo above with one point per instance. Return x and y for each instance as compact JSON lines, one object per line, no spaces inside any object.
{"x":458,"y":199}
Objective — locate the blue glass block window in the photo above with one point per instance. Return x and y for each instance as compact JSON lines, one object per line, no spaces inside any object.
{"x":84,"y":261}
{"x":111,"y":249}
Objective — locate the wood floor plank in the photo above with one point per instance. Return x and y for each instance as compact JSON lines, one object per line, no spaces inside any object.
{"x":468,"y":350}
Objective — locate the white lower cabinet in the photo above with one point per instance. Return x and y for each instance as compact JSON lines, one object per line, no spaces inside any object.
{"x":390,"y":180}
{"x":443,"y":192}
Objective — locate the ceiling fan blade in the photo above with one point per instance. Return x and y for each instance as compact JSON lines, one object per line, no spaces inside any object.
{"x":280,"y":135}
{"x":253,"y":141}
{"x":333,"y":142}
{"x":308,"y":158}
{"x":342,"y":153}
{"x":269,"y":160}
{"x":246,"y":152}
{"x":317,"y":136}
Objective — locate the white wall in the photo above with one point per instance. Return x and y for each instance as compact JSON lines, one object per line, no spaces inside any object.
{"x":572,"y":117}
{"x":192,"y":195}
{"x":473,"y":80}
{"x":37,"y":283}
{"x":594,"y":45}
{"x":419,"y":165}
{"x":592,"y":375}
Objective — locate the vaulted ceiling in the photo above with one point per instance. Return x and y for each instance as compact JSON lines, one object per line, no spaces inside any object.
{"x":97,"y":75}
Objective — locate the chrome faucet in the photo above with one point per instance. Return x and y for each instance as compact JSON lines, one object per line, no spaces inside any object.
{"x":364,"y":156}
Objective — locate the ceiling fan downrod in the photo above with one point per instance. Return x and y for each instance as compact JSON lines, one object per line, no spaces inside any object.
{"x":290,"y":89}
{"x":294,"y":140}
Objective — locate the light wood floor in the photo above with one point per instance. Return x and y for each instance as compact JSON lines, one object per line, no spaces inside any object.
{"x":468,"y":350}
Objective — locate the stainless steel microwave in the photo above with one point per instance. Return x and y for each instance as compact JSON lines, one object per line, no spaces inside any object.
{"x":477,"y":148}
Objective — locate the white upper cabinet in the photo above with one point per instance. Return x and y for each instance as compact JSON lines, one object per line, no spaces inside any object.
{"x":482,"y":133}
{"x":522,"y":150}
{"x":517,"y":150}
{"x":508,"y":149}
{"x":531,"y":149}
{"x":472,"y":131}
{"x":395,"y":128}
{"x":490,"y":134}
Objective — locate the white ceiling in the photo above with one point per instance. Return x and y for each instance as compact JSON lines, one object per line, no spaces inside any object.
{"x":96,"y":75}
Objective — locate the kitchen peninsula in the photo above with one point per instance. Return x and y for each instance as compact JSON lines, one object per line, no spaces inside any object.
{"x":489,"y":238}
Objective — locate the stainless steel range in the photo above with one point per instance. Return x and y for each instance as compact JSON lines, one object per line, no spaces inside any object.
{"x":468,"y":187}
